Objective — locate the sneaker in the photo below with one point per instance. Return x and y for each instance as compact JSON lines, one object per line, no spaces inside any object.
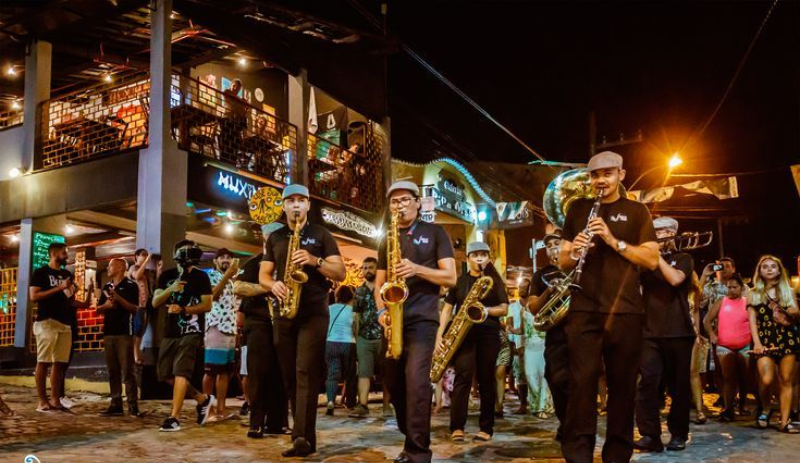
{"x":359,"y":411}
{"x":133,"y":411}
{"x":170,"y":425}
{"x":388,"y":411}
{"x":112,"y":411}
{"x":255,"y":432}
{"x":66,"y":402}
{"x":204,"y":409}
{"x":329,"y":410}
{"x":245,"y":410}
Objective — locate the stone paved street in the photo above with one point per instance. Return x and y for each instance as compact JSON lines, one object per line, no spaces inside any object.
{"x":85,"y":437}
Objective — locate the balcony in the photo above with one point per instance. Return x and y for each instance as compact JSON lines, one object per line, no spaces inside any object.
{"x":10,"y":118}
{"x":112,"y":118}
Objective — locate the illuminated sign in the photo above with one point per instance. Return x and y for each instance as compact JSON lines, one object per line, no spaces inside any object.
{"x":41,"y":245}
{"x":235,"y":185}
{"x":349,"y":221}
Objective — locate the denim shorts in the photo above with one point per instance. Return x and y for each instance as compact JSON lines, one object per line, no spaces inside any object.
{"x":745,"y":351}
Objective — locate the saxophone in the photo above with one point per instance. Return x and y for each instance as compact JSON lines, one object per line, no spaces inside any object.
{"x":293,"y":276}
{"x":471,"y":311}
{"x":394,"y":292}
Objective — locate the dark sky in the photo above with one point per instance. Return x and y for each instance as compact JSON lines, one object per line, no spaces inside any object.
{"x":658,"y":67}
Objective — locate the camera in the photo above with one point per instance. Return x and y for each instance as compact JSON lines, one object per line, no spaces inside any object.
{"x":188,"y":255}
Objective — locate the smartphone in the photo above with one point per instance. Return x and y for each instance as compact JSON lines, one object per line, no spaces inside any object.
{"x":717,"y":267}
{"x":155,"y":257}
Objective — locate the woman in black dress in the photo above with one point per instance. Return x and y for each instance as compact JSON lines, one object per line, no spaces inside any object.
{"x":773,"y":324}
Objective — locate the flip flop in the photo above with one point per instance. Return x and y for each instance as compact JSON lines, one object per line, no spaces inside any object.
{"x":481,"y":437}
{"x":790,"y":429}
{"x":45,"y":409}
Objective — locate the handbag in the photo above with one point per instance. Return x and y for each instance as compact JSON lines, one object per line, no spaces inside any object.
{"x":779,"y":314}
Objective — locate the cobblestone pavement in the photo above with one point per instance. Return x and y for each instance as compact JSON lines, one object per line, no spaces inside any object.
{"x":85,"y":437}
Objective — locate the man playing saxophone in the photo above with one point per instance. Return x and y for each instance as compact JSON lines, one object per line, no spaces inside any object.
{"x":300,"y":340}
{"x":427,"y":263}
{"x":604,"y":322}
{"x":480,"y":286}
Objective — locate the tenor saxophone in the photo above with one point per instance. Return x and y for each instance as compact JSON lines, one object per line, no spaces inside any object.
{"x":294,"y":277}
{"x":394,"y":292}
{"x":471,"y":312}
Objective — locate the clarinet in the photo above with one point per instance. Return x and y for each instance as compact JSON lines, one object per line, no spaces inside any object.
{"x":582,"y":258}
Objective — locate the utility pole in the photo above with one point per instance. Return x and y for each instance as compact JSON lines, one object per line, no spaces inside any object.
{"x":594,"y":147}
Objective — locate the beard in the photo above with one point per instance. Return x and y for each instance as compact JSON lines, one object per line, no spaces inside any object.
{"x":370,"y":277}
{"x":224,"y":266}
{"x":62,"y":261}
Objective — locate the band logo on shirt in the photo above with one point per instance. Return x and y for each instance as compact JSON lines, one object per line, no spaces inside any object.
{"x":619,"y":218}
{"x":307,"y":241}
{"x":421,"y":240}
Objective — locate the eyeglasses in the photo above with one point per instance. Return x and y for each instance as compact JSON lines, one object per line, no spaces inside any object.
{"x":404,"y":201}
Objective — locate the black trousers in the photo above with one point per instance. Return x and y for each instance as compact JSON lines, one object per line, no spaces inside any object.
{"x":268,"y":404}
{"x":351,"y":379}
{"x":301,"y":354}
{"x":666,"y":360}
{"x":556,"y":371}
{"x":478,"y":353}
{"x":594,"y":339}
{"x":408,"y":379}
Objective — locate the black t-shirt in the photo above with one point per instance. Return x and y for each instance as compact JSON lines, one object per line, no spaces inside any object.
{"x":424,"y":244}
{"x":496,"y":296}
{"x":610,"y":283}
{"x":319,"y":242}
{"x":197,"y":285}
{"x":57,"y":306}
{"x":667,"y":313}
{"x":118,"y":321}
{"x":254,"y":308}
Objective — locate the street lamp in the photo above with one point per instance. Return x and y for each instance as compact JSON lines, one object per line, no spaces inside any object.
{"x":673,"y":162}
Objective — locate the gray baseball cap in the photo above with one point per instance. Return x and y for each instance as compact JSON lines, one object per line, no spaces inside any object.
{"x":605,"y":160}
{"x":668,"y":223}
{"x":476,"y":246}
{"x":403,"y":185}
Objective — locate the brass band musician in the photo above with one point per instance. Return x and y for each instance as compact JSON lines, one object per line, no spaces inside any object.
{"x":479,"y":349}
{"x":427,"y":264}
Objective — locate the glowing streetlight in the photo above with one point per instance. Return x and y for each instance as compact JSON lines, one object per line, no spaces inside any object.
{"x":15,"y":172}
{"x":675,"y":161}
{"x":11,"y":72}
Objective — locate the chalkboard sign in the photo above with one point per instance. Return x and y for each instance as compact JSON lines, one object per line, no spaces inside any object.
{"x":41,"y":243}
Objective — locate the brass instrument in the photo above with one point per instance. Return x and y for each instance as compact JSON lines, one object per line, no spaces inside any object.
{"x":395,"y":291}
{"x":560,"y":194}
{"x":471,"y":311}
{"x":293,"y":276}
{"x":689,"y":241}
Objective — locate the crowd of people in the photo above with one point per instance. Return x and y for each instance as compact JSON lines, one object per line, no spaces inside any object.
{"x":639,"y":297}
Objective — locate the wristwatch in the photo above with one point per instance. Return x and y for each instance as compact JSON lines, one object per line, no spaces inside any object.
{"x":621,"y":246}
{"x":320,"y":261}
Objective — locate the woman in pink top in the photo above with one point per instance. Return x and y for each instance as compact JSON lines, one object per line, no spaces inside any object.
{"x":732,"y":338}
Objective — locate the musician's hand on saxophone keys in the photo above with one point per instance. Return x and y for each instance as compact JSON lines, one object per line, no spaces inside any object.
{"x":302,"y":257}
{"x":280,"y":290}
{"x":385,"y":320}
{"x":406,"y":269}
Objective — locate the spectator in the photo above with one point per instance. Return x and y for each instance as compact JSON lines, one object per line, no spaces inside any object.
{"x":145,"y":272}
{"x":118,"y":303}
{"x":517,"y":337}
{"x":370,"y":337}
{"x":186,"y":290}
{"x":220,"y":352}
{"x":699,"y":351}
{"x":52,"y":288}
{"x":341,"y":336}
{"x":732,"y":338}
{"x":773,"y":318}
{"x":235,"y":121}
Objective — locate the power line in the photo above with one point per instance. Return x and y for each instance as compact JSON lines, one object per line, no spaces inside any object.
{"x":736,"y":74}
{"x":414,"y":55}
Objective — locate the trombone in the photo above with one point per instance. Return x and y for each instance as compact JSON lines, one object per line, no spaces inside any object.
{"x":689,"y":241}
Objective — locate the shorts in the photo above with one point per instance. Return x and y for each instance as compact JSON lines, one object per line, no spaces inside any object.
{"x":140,"y":322}
{"x":369,"y":354}
{"x":725,"y":351}
{"x":177,"y":356}
{"x":53,"y":341}
{"x":243,"y":366}
{"x":220,"y":355}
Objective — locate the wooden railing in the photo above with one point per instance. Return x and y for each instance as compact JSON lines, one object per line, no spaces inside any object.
{"x":8,"y":306}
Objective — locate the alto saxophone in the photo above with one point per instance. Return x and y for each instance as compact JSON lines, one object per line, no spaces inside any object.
{"x":557,"y":305}
{"x":394,"y":292}
{"x":294,"y":277}
{"x":472,"y":311}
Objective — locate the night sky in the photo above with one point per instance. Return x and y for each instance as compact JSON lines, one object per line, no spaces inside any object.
{"x":661,"y":68}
